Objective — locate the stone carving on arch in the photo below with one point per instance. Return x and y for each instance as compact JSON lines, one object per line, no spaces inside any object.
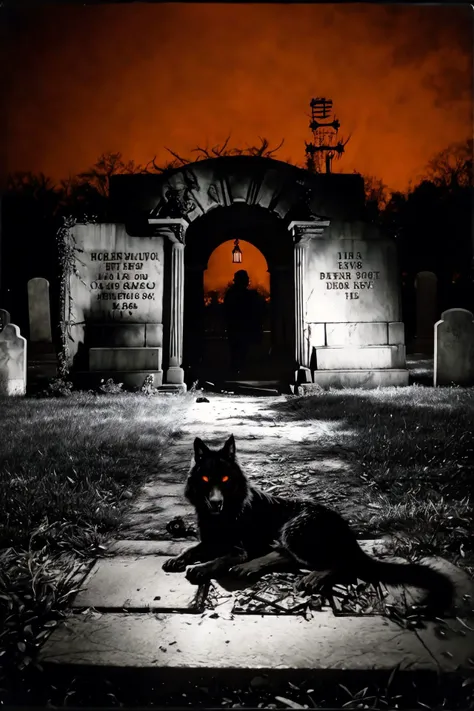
{"x":194,"y":190}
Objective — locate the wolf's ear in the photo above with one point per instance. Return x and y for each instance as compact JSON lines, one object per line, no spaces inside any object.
{"x":200,"y":449}
{"x":228,"y":450}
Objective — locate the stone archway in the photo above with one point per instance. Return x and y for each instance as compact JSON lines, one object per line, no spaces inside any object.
{"x":344,"y":293}
{"x":125,"y":309}
{"x":212,"y":196}
{"x":235,"y":196}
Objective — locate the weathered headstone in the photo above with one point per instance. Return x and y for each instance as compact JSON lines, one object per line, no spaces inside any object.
{"x":12,"y":361}
{"x":39,"y":310}
{"x":42,"y":357}
{"x":4,"y":318}
{"x":426,"y":311}
{"x":348,"y":306}
{"x":116,"y":310}
{"x":454,"y":348}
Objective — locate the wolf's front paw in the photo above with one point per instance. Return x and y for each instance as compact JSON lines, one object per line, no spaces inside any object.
{"x":244,"y":570}
{"x":318,"y":581}
{"x":174,"y":565}
{"x":197,"y":574}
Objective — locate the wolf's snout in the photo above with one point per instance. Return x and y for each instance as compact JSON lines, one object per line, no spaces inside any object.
{"x":216,"y":500}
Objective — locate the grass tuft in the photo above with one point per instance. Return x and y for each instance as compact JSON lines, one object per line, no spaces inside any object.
{"x":68,"y":467}
{"x":415,"y":450}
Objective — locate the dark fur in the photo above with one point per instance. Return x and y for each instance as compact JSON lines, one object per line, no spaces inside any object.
{"x":255,"y":532}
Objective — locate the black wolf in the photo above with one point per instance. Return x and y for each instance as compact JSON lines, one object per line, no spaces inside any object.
{"x":244,"y":532}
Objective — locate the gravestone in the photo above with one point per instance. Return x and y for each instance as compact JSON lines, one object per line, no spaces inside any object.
{"x":348,"y":306}
{"x":12,"y":361}
{"x":426,"y":311}
{"x":454,"y":348}
{"x":42,"y":357}
{"x":39,"y":310}
{"x":4,"y":318}
{"x":114,"y":313}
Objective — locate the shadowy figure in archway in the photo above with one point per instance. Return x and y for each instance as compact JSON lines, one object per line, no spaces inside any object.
{"x":243,"y":310}
{"x":214,"y":312}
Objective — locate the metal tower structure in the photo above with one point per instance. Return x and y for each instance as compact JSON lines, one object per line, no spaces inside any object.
{"x":325,"y":146}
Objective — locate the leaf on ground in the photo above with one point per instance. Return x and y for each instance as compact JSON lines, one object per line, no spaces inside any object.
{"x":288,"y":702}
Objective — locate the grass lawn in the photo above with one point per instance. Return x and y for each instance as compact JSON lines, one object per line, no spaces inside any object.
{"x":68,"y":466}
{"x":415,"y":449}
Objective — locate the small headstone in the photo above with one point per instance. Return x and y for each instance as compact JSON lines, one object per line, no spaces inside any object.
{"x":4,"y":318}
{"x":454,"y":348}
{"x":12,"y":361}
{"x":39,"y":310}
{"x":426,"y":311}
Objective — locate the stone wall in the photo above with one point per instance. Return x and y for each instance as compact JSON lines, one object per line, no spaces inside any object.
{"x":116,"y":297}
{"x":351,"y":277}
{"x":352,"y":306}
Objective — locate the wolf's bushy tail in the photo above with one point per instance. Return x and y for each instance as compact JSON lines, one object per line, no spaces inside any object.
{"x":440,"y":589}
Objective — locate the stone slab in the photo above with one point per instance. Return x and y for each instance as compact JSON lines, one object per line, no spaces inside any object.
{"x":464,"y":599}
{"x":454,"y":348}
{"x":248,"y":389}
{"x":356,"y":379}
{"x":138,"y":584}
{"x":155,"y":548}
{"x":351,"y":280}
{"x":174,"y":388}
{"x":187,"y":642}
{"x":124,"y":359}
{"x":317,"y":334}
{"x":154,"y":335}
{"x":130,"y":378}
{"x":396,"y":333}
{"x":118,"y":278}
{"x":39,"y":310}
{"x":363,"y":357}
{"x":356,"y":334}
{"x":13,"y":363}
{"x":125,"y":335}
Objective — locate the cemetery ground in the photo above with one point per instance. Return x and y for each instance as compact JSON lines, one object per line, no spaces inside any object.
{"x":83,"y":478}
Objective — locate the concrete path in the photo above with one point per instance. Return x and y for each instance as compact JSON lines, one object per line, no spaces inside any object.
{"x":131,"y":614}
{"x":278,"y":456}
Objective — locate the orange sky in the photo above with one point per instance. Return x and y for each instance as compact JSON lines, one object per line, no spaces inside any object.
{"x":220,"y":269}
{"x":135,"y":78}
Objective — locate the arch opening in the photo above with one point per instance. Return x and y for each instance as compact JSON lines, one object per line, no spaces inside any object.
{"x":267,"y":256}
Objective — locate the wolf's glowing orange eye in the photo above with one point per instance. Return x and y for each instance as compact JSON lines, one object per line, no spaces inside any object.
{"x":225,"y":478}
{"x":205,"y":478}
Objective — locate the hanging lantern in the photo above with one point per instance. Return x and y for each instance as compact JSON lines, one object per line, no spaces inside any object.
{"x":236,"y":253}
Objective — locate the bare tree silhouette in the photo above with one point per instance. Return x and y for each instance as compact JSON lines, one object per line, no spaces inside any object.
{"x":452,"y":167}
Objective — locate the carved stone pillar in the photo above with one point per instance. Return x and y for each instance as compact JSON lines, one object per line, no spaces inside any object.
{"x":175,"y":374}
{"x":303,"y":233}
{"x":300,"y":271}
{"x":174,"y":230}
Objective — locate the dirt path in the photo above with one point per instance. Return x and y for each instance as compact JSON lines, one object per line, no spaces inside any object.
{"x":280,"y":456}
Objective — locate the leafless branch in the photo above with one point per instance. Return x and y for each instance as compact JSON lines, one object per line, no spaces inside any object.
{"x":271,"y":152}
{"x":183,"y":161}
{"x":204,"y":151}
{"x":219,"y":151}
